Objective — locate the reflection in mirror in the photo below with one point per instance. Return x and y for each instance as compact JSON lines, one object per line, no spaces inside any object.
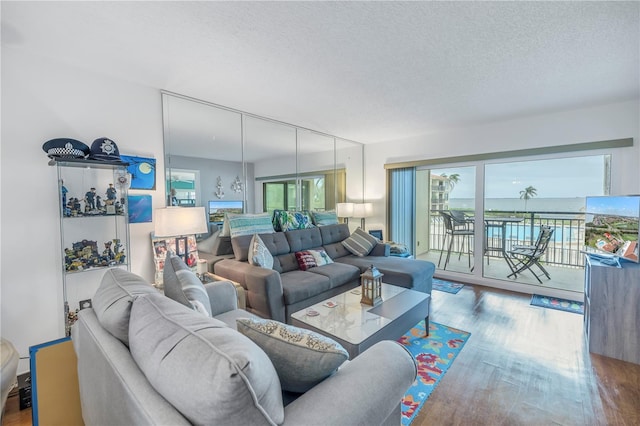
{"x":317,"y":171}
{"x":215,"y":154}
{"x":271,"y":147}
{"x":204,"y":141}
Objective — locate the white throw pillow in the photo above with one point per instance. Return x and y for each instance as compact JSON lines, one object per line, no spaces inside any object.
{"x":321,"y":257}
{"x":259,"y":254}
{"x":207,"y":245}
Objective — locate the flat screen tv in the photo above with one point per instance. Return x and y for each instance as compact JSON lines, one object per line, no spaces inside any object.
{"x":218,"y":208}
{"x":611,"y":226}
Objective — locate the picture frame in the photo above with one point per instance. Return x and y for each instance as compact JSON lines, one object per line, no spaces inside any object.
{"x":84,"y":304}
{"x":376,"y":233}
{"x":142,"y":171}
{"x":184,"y":247}
{"x":140,"y":208}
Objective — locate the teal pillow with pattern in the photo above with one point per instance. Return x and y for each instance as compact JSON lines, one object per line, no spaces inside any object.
{"x":294,"y":220}
{"x":324,"y":218}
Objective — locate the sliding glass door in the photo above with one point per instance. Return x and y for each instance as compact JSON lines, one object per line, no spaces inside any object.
{"x":470,"y":218}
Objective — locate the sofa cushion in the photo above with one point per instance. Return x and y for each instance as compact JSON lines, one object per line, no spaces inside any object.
{"x":360,"y":243}
{"x":409,"y":273}
{"x":301,"y":285}
{"x":305,"y":260}
{"x":259,"y":254}
{"x":112,"y":300}
{"x":334,"y":233}
{"x":183,"y":286}
{"x":302,"y":358}
{"x":338,"y":273}
{"x":276,"y":242}
{"x":249,"y":224}
{"x":304,"y":239}
{"x":324,"y":218}
{"x":209,"y":372}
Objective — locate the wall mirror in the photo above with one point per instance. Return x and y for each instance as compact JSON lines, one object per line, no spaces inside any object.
{"x":252,"y":162}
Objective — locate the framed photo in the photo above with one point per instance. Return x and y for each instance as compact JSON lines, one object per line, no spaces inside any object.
{"x":376,"y":233}
{"x":184,"y":247}
{"x":139,"y":208}
{"x":142,"y":170}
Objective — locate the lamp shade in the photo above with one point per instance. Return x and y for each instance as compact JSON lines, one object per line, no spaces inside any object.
{"x":344,"y":209}
{"x":363,"y":210}
{"x":176,"y":221}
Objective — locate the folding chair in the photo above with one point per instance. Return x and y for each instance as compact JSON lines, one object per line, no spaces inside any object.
{"x":521,"y":258}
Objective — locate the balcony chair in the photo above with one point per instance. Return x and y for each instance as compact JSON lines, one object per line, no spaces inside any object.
{"x":455,"y":227}
{"x":521,"y":258}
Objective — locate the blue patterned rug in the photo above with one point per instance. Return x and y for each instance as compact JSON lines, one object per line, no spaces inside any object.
{"x":557,"y":303}
{"x":446,"y":286}
{"x":434,"y":355}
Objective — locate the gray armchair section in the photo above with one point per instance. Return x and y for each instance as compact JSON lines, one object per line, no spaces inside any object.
{"x":277,"y":293}
{"x":131,"y":382}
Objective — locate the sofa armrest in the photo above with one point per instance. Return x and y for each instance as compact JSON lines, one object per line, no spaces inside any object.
{"x":381,"y":249}
{"x":222,"y":296}
{"x":265,"y":294}
{"x":347,"y":397}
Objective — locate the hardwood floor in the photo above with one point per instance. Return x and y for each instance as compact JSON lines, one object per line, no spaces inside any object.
{"x":522,"y":365}
{"x":525,"y":365}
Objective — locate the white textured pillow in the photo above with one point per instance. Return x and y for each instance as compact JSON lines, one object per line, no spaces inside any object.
{"x":302,"y":358}
{"x":321,"y":257}
{"x":249,"y":224}
{"x":207,"y":245}
{"x":259,"y":254}
{"x":360,"y":243}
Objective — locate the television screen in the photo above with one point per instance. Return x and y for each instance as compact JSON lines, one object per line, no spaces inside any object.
{"x":611,"y":226}
{"x":218,"y":208}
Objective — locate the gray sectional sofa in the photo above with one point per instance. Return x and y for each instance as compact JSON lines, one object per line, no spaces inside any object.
{"x":145,"y":359}
{"x":278,"y":292}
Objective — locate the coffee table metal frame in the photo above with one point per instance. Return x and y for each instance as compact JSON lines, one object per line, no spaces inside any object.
{"x":357,"y":326}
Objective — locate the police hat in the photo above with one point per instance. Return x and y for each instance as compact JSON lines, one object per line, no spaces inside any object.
{"x":65,"y":148}
{"x":104,"y":149}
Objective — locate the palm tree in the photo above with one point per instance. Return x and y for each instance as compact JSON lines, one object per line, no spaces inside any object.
{"x":526,"y":194}
{"x":451,"y":180}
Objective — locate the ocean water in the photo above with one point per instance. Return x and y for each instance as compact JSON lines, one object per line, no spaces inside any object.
{"x":543,"y":205}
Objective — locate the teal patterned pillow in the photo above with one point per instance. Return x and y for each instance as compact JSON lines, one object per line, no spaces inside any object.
{"x":294,"y":220}
{"x":249,"y":224}
{"x":325,"y":218}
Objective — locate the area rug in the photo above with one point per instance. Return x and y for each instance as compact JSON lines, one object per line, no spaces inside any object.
{"x":447,"y":286}
{"x":434,"y":355}
{"x":557,"y":303}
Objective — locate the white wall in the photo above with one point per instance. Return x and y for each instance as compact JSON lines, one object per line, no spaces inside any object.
{"x":42,"y":100}
{"x":606,"y":122}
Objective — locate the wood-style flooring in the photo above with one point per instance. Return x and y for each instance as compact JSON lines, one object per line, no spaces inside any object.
{"x":522,"y":365}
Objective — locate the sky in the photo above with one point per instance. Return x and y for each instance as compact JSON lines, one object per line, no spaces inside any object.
{"x":556,"y":178}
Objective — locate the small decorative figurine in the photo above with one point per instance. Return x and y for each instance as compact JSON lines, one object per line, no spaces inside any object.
{"x":63,"y":193}
{"x":90,"y":200}
{"x":111,"y":194}
{"x":98,"y":202}
{"x":108,"y":253}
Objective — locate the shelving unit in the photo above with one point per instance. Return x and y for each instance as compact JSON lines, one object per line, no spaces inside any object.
{"x":612,"y":310}
{"x":94,"y":229}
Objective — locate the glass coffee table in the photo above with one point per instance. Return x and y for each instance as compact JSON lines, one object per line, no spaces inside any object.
{"x":357,"y":326}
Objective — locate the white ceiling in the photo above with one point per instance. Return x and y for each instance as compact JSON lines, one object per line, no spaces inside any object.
{"x":366,"y":71}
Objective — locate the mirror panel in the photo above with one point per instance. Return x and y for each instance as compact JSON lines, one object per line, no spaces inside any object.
{"x":208,"y":146}
{"x":203,"y":141}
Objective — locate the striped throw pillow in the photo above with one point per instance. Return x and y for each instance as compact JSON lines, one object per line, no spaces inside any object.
{"x":360,"y":243}
{"x":249,"y":224}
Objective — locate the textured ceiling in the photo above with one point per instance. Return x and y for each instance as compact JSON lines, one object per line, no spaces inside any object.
{"x":367,"y":71}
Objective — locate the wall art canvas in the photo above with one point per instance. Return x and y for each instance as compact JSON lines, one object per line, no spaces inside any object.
{"x":139,"y":208}
{"x":142,"y":170}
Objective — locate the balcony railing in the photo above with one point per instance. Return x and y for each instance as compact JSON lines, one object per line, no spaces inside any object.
{"x":564,"y":249}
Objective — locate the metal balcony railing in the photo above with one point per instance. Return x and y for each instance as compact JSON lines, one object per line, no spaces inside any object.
{"x":564,"y":249}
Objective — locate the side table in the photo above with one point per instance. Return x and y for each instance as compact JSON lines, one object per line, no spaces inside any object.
{"x":242,"y":298}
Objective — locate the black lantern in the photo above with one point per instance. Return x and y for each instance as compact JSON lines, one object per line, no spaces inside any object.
{"x":371,"y":283}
